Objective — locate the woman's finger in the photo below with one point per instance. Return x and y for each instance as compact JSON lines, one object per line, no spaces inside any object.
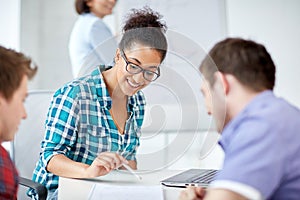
{"x":114,"y":159}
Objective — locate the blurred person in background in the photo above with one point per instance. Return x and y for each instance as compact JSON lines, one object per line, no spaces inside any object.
{"x":88,"y":33}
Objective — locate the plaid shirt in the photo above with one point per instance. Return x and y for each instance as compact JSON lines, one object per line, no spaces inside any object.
{"x":79,"y":126}
{"x":8,"y":176}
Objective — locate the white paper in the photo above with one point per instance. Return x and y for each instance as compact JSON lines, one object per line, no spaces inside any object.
{"x":125,"y":192}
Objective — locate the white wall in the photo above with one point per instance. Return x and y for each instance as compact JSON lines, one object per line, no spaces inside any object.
{"x":276,"y":24}
{"x":45,"y":26}
{"x":45,"y":29}
{"x":10,"y":23}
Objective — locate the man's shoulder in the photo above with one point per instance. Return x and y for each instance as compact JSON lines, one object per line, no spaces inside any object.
{"x":6,"y":163}
{"x":3,"y":153}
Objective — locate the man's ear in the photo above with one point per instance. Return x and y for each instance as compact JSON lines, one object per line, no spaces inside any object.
{"x":223,"y":80}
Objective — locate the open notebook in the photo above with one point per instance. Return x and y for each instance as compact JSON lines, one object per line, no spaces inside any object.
{"x":191,"y":177}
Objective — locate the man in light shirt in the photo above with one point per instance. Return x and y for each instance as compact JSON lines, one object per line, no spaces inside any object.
{"x":260,"y":132}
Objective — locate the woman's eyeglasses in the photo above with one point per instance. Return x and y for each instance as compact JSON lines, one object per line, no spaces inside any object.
{"x":135,"y":69}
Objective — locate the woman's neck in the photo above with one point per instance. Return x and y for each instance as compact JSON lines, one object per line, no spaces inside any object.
{"x":101,"y":16}
{"x":112,"y":85}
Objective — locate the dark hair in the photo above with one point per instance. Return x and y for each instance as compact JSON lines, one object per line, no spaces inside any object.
{"x":144,"y":26}
{"x":81,"y":6}
{"x":247,"y":60}
{"x":13,"y":67}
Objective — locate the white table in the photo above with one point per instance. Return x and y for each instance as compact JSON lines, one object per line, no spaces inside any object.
{"x":80,"y":188}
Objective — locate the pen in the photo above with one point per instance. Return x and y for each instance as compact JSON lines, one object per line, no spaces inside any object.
{"x":132,"y":172}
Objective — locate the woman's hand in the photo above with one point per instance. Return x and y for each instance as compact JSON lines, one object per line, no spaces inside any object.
{"x":192,"y":193}
{"x":104,"y":163}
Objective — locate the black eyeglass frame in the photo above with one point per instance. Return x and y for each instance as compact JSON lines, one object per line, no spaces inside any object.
{"x":140,"y":68}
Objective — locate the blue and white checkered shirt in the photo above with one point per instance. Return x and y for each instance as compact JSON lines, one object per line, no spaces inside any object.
{"x":79,"y":126}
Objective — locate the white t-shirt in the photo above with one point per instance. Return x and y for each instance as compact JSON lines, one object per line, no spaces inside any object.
{"x":91,"y":44}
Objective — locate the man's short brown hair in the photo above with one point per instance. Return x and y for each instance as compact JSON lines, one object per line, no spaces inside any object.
{"x":13,"y":67}
{"x":247,"y":60}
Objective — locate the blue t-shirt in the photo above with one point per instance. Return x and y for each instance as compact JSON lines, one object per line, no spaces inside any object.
{"x":91,"y":43}
{"x":262,"y":148}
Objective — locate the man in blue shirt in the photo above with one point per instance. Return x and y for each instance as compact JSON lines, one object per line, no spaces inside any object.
{"x":260,"y":132}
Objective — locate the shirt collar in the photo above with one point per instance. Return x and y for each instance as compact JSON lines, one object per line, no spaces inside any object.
{"x":101,"y":90}
{"x":135,"y":101}
{"x":229,"y":130}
